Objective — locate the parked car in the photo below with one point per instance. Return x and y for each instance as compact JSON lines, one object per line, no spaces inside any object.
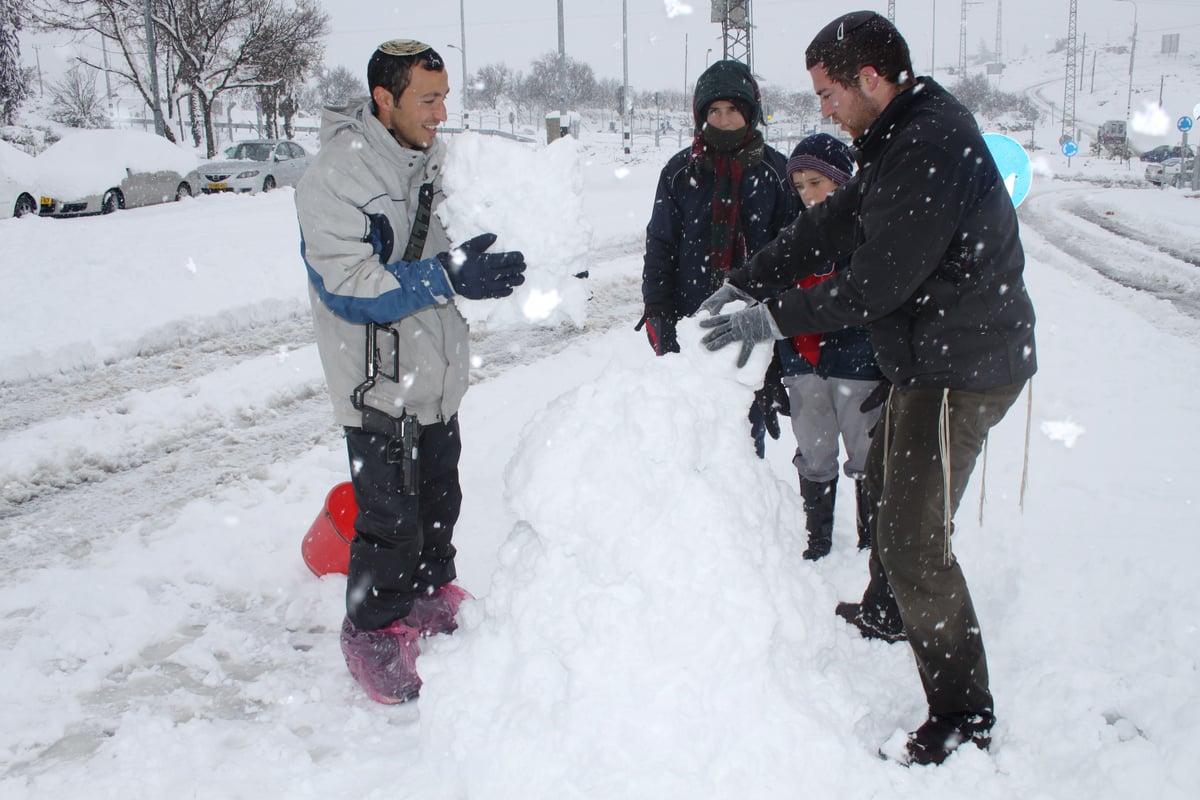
{"x":100,"y":171}
{"x":256,"y":165}
{"x":1164,"y":151}
{"x":1170,"y":173}
{"x":17,"y":195}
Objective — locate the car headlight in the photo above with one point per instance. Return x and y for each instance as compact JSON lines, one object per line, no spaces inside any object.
{"x":250,"y":173}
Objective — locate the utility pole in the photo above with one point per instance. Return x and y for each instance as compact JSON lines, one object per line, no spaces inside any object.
{"x":107,"y":80}
{"x":1129,"y":97}
{"x":37,"y":56}
{"x":933,"y":39}
{"x":736,"y":23}
{"x":160,"y":127}
{"x":685,"y":65}
{"x":962,"y":39}
{"x":462,"y":49}
{"x":999,"y":19}
{"x":562,"y":67}
{"x":626,"y":100}
{"x":1068,"y":119}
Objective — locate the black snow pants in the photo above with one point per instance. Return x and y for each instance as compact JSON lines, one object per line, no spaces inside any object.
{"x":401,"y":546}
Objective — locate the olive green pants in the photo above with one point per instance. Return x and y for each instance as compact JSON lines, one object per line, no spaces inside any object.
{"x":928,"y":440}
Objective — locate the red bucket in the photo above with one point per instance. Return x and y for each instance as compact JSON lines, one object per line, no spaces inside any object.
{"x":326,"y":546}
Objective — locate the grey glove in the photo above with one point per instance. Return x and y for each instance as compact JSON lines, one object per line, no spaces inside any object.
{"x":748,"y":326}
{"x":728,"y":293}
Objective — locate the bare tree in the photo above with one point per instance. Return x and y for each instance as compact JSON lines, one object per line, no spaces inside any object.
{"x":76,"y":101}
{"x":543,"y":82}
{"x":801,"y":106}
{"x":338,"y":86}
{"x":219,"y":45}
{"x":282,"y":53}
{"x":490,"y":83}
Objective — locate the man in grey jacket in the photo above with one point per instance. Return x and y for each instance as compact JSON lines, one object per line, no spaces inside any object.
{"x":936,"y":274}
{"x":382,"y":276}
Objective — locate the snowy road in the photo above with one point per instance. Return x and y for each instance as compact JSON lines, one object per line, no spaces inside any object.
{"x":134,"y":479}
{"x":1078,"y":230}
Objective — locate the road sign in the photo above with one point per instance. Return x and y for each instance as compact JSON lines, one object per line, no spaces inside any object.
{"x":1070,"y":149}
{"x":1184,"y":124}
{"x":1013,"y":162}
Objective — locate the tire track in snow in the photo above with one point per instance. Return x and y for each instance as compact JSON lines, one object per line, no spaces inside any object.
{"x":1108,"y":250}
{"x":74,"y":508}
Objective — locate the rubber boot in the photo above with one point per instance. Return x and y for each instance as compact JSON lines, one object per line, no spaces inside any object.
{"x":866,"y":514}
{"x":818,"y":512}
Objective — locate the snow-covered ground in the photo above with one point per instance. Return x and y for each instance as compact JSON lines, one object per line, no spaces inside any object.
{"x":645,"y":625}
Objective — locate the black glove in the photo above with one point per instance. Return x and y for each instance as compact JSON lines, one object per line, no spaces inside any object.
{"x":660,"y":330}
{"x":477,"y":275}
{"x":769,"y":402}
{"x":876,"y":398}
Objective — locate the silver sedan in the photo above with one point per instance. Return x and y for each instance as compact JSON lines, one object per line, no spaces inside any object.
{"x":256,"y":165}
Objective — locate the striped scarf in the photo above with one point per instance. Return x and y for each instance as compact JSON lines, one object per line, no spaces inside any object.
{"x":727,"y":154}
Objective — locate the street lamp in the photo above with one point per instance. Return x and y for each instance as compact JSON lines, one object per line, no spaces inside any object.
{"x":1129,"y":96}
{"x":706,"y":55}
{"x":462,"y":50}
{"x":466,"y":89}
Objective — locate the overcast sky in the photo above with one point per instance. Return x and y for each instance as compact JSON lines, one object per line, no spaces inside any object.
{"x":516,"y":32}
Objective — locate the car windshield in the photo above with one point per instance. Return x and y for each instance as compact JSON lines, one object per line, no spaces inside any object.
{"x":254,"y":151}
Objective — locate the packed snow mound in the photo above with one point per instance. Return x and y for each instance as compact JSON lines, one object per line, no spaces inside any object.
{"x":686,"y":561}
{"x":532,"y":199}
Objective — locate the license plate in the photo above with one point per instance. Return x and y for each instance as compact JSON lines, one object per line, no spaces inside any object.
{"x":218,"y":186}
{"x":47,"y":201}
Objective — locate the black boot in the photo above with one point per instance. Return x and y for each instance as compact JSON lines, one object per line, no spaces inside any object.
{"x":866,"y":514}
{"x":818,"y":513}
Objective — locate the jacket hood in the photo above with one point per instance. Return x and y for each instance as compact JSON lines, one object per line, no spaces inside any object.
{"x":358,"y":116}
{"x":728,"y":80}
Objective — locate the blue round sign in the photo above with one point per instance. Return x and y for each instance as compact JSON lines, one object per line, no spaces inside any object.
{"x":1013,"y":162}
{"x":1184,"y":123}
{"x":1070,"y":149}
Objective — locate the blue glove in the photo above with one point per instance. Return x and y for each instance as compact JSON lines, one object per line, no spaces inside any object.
{"x":477,"y":275}
{"x":748,"y":326}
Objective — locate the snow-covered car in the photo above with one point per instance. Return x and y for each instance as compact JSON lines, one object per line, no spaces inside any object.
{"x":100,"y":171}
{"x":1164,"y":151}
{"x":256,"y":165}
{"x":17,"y":196}
{"x":1170,"y":172}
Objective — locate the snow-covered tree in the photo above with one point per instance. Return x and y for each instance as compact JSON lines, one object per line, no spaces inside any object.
{"x":543,"y":83}
{"x":338,"y":86}
{"x":76,"y":102}
{"x":217,"y":46}
{"x":13,"y":87}
{"x":489,"y":84}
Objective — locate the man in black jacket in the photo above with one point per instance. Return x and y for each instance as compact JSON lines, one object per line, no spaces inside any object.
{"x":935,"y":273}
